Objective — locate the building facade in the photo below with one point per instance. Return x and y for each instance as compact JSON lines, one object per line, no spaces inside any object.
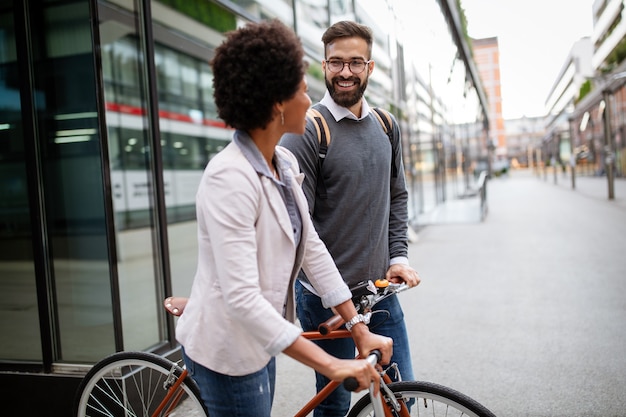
{"x":106,"y":122}
{"x":598,"y":122}
{"x":556,"y":145}
{"x":487,"y":57}
{"x":593,"y":121}
{"x":524,"y":136}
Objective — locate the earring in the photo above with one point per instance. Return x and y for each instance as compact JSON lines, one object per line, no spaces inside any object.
{"x":282,"y":118}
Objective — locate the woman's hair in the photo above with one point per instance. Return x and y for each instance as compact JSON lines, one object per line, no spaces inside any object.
{"x":348,"y":29}
{"x":255,"y":67}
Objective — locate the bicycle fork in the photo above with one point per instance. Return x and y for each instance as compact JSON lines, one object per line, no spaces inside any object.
{"x":394,"y":408}
{"x":172,"y":385}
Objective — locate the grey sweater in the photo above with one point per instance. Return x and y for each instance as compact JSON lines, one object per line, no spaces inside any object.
{"x":364,"y":218}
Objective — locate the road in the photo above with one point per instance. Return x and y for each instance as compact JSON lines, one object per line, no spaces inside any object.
{"x":526,"y":311}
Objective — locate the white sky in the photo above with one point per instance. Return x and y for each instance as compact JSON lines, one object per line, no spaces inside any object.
{"x":534,"y":37}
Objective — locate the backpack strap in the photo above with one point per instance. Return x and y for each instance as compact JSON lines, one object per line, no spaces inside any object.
{"x":387,"y":123}
{"x":323,"y":136}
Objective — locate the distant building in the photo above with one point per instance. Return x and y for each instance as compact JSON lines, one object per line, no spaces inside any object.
{"x":522,"y":137}
{"x":487,"y":58}
{"x":598,"y":121}
{"x":562,"y":98}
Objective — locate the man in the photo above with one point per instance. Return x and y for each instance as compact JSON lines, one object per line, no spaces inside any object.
{"x":357,"y":199}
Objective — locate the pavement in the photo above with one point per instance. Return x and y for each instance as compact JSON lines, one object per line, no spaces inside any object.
{"x":524,"y":311}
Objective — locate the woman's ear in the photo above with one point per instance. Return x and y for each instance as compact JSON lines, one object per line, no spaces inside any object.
{"x":280,"y":110}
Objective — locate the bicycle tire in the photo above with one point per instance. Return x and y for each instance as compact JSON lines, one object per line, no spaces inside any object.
{"x":131,"y":384}
{"x":427,"y":398}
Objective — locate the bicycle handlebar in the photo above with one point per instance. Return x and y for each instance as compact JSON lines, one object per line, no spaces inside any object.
{"x":364,"y":301}
{"x":331,"y":324}
{"x":351,"y":383}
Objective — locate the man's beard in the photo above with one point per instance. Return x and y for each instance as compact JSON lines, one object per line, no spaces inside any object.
{"x":346,"y":99}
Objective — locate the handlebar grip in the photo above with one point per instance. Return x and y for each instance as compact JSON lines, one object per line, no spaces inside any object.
{"x":331,"y":324}
{"x":351,"y":383}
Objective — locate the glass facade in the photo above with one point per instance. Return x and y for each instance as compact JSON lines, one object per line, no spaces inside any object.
{"x":54,"y":167}
{"x":19,"y":320}
{"x":107,"y":121}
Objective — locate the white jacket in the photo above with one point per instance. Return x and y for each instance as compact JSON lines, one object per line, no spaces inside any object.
{"x":241,"y":308}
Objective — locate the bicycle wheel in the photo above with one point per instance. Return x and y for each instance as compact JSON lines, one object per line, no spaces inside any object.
{"x":135,"y":384}
{"x":426,"y":398}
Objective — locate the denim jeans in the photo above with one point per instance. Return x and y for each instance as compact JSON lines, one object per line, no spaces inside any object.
{"x":311,"y":313}
{"x":235,"y":396}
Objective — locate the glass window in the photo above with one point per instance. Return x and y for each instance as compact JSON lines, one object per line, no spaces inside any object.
{"x":189,"y":77}
{"x":206,"y":91}
{"x":19,"y":320}
{"x":169,"y":66}
{"x":72,"y":177}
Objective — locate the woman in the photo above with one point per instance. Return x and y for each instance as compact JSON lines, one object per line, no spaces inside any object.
{"x":255,"y":234}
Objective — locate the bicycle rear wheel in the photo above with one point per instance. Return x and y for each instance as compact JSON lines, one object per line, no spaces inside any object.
{"x":426,"y":398}
{"x":135,"y":384}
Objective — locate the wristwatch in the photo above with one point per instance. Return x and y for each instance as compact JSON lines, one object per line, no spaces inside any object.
{"x":359,"y":318}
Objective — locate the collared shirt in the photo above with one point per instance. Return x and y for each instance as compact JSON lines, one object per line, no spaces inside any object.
{"x":283,"y":183}
{"x":340,"y":112}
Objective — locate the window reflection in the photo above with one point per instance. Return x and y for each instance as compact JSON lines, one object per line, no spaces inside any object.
{"x":72,"y":179}
{"x":190,"y":135}
{"x":19,"y":322}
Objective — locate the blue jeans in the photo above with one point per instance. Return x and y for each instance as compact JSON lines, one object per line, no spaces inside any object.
{"x":311,"y":313}
{"x":235,"y":396}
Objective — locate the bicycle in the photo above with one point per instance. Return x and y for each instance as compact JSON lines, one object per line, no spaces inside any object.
{"x":145,"y":384}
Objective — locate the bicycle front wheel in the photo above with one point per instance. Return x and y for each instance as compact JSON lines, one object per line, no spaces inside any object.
{"x":426,"y":398}
{"x":137,"y":384}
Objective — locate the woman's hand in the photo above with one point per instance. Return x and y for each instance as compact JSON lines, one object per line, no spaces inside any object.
{"x":312,"y":355}
{"x":359,"y":369}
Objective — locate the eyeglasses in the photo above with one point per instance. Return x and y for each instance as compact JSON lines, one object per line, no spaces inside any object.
{"x":356,"y":66}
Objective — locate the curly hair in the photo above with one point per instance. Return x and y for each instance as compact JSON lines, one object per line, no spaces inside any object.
{"x":348,"y":29}
{"x":255,"y":67}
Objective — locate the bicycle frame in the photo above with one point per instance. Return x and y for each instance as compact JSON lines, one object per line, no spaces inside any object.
{"x":99,"y":390}
{"x":330,"y":330}
{"x":172,"y":391}
{"x":332,"y":385}
{"x":174,"y":395}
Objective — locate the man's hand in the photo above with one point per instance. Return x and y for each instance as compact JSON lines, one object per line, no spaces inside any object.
{"x":398,"y":273}
{"x":366,"y":342}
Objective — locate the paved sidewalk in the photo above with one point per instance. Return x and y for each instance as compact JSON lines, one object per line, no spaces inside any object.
{"x":525,"y":311}
{"x":588,"y":186}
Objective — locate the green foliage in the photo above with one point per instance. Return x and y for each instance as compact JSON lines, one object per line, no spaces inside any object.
{"x":617,"y":55}
{"x":585,"y":89}
{"x":397,"y":111}
{"x":205,"y":12}
{"x":315,"y":71}
{"x":464,"y":26}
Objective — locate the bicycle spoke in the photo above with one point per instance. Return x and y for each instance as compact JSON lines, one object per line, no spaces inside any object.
{"x":110,"y":393}
{"x":427,"y":399}
{"x":132,"y":384}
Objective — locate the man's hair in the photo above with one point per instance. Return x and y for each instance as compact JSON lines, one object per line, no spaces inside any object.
{"x":348,"y":29}
{"x":257,"y":66}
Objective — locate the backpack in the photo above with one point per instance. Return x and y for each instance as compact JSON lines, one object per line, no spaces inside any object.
{"x":323,"y":137}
